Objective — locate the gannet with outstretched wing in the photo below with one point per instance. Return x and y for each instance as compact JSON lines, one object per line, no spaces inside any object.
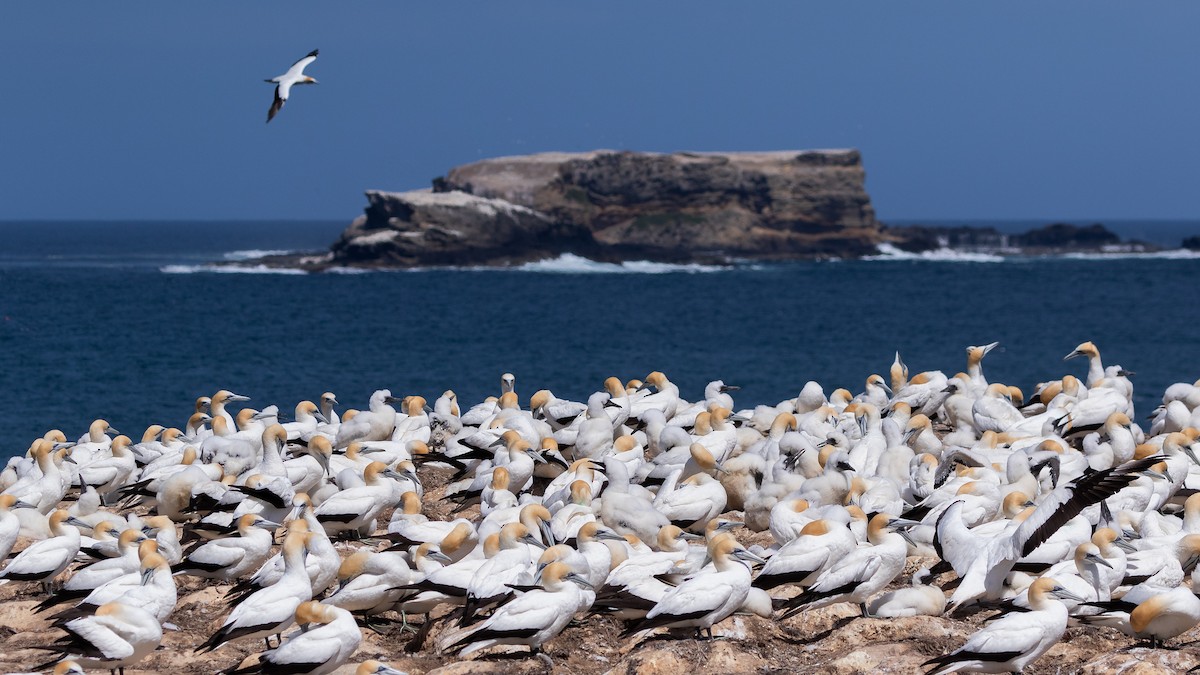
{"x":284,"y":82}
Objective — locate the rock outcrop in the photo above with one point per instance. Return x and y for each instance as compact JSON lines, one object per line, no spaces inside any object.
{"x":621,"y":205}
{"x":1051,"y":239}
{"x":404,"y":229}
{"x":681,"y":207}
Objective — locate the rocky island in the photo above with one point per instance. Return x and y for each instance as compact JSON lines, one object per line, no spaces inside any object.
{"x":608,"y":205}
{"x":681,"y":207}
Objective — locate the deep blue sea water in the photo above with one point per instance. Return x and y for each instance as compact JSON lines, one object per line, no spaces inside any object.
{"x":92,"y":326}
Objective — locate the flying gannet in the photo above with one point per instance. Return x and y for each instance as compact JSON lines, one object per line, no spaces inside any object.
{"x":283,"y":83}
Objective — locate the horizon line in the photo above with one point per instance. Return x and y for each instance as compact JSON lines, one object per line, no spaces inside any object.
{"x":1074,"y":220}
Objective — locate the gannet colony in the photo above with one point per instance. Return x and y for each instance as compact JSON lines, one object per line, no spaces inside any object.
{"x":345,"y":542}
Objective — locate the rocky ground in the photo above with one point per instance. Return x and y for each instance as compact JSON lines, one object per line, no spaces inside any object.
{"x":832,"y":640}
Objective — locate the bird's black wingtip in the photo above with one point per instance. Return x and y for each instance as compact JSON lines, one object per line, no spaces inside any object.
{"x":314,"y":52}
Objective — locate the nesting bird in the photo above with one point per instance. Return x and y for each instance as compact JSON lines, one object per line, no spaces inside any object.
{"x":621,"y":507}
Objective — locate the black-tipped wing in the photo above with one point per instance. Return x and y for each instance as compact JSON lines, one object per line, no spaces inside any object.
{"x":276,"y":105}
{"x":966,"y":657}
{"x":298,"y":67}
{"x":663,"y":619}
{"x":1067,"y":501}
{"x":308,"y":58}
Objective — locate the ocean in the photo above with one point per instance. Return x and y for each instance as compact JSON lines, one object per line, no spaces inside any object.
{"x":124,"y":321}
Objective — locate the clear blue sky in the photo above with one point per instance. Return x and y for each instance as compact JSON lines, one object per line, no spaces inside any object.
{"x":961,"y":109}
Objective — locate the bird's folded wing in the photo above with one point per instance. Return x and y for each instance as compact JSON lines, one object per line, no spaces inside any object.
{"x":220,"y":552}
{"x":1005,"y":636}
{"x":100,"y":637}
{"x":854,"y":571}
{"x":695,"y":597}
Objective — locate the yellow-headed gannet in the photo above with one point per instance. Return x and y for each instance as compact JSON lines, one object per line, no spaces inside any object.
{"x":283,"y":83}
{"x":1013,"y":641}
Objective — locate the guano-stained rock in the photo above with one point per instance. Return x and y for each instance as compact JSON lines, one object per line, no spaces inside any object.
{"x":622,"y":205}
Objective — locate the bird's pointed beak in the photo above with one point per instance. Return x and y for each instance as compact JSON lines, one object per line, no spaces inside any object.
{"x":580,"y":581}
{"x":1125,"y":545}
{"x":1191,"y":453}
{"x":323,"y":460}
{"x":743,"y":554}
{"x":1068,"y":595}
{"x":532,"y":541}
{"x":1072,"y":355}
{"x":440,"y":557}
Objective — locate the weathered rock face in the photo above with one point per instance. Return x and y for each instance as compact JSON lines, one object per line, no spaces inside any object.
{"x":614,"y":205}
{"x":427,"y":228}
{"x":760,"y":205}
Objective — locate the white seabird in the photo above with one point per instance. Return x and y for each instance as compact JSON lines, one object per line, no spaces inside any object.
{"x":327,"y":638}
{"x":1013,"y":641}
{"x":530,"y":619}
{"x":706,"y":598}
{"x":283,"y":83}
{"x":116,"y":636}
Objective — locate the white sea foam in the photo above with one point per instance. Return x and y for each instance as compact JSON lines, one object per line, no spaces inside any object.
{"x":252,"y":253}
{"x":569,"y":263}
{"x":1174,"y":254}
{"x":228,"y":269}
{"x":890,"y":252}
